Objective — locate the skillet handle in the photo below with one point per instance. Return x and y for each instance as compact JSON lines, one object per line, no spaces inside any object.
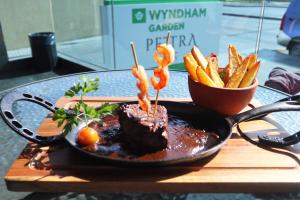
{"x":276,"y":141}
{"x":282,"y":105}
{"x":9,"y":117}
{"x":286,"y":105}
{"x":290,"y":98}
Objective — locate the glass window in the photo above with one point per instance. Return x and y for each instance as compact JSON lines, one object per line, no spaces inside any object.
{"x":97,"y":33}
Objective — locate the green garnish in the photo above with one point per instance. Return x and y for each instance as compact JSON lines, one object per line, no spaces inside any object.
{"x":82,"y":112}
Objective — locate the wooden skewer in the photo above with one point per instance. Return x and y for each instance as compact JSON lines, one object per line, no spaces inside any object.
{"x":137,"y":64}
{"x":156,"y":102}
{"x":157,"y":92}
{"x":134,"y":55}
{"x":168,"y":37}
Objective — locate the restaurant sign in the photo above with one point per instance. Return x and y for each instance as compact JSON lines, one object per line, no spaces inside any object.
{"x":146,"y":24}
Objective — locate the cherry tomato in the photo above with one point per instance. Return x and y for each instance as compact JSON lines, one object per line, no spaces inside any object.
{"x":88,"y":136}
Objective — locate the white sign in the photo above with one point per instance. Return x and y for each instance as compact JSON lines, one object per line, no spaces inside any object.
{"x":147,"y":25}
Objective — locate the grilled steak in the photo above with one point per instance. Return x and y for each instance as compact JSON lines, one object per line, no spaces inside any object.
{"x":142,"y":133}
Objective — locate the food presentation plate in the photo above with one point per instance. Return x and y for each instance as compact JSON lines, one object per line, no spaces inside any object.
{"x":190,"y":137}
{"x":193,"y":132}
{"x":239,"y":167}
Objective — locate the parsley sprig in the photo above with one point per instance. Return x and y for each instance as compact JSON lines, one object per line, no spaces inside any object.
{"x":81,"y":111}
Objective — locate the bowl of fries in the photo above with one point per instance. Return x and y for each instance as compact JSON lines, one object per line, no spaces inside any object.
{"x":225,"y":90}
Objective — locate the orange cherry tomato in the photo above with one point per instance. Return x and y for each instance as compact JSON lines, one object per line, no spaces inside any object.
{"x":164,"y":54}
{"x":88,"y":136}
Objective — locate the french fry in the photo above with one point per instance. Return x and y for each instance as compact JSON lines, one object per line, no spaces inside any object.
{"x":236,"y":56}
{"x":207,"y":58}
{"x":215,"y":60}
{"x":239,"y":73}
{"x":250,"y":75}
{"x":221,"y":72}
{"x":240,"y":58}
{"x":204,"y":78}
{"x":191,"y":65}
{"x":252,"y":61}
{"x":199,"y":57}
{"x":212,"y":71}
{"x":235,"y":60}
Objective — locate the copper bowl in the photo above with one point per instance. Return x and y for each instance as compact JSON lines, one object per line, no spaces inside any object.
{"x":226,"y":101}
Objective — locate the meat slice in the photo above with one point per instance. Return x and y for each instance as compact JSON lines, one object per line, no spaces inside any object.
{"x":142,"y":133}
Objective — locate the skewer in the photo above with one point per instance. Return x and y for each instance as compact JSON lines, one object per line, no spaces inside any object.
{"x":168,"y":37}
{"x":134,"y":55}
{"x":157,"y":92}
{"x":156,"y":102}
{"x":137,"y":64}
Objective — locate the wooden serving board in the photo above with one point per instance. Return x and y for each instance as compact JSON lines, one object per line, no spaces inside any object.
{"x":239,"y":167}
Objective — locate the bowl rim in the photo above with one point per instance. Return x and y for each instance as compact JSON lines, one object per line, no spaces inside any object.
{"x":253,"y":85}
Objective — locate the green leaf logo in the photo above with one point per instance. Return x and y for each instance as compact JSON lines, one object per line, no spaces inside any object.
{"x":138,"y":15}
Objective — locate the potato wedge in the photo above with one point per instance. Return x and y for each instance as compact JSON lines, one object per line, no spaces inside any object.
{"x":252,"y":61}
{"x":204,"y":78}
{"x":201,"y":60}
{"x":240,"y":58}
{"x":235,"y":60}
{"x":212,"y":71}
{"x":213,"y":57}
{"x":207,"y":58}
{"x":250,"y":75}
{"x":221,"y":72}
{"x":239,"y":73}
{"x":191,"y":65}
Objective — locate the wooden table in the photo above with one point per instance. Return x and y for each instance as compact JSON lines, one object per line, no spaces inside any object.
{"x":239,"y":167}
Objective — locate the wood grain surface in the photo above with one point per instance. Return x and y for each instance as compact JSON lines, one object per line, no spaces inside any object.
{"x":239,"y":166}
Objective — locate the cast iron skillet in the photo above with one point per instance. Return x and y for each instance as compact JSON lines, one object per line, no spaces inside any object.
{"x":198,"y":117}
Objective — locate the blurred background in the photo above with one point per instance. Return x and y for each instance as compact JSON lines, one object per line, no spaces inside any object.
{"x":95,"y":34}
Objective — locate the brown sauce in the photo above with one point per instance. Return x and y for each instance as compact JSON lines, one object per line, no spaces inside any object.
{"x":184,"y":140}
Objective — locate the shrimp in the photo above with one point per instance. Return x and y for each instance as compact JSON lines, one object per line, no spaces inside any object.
{"x":168,"y":55}
{"x":163,"y":74}
{"x":165,"y":55}
{"x":143,"y":86}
